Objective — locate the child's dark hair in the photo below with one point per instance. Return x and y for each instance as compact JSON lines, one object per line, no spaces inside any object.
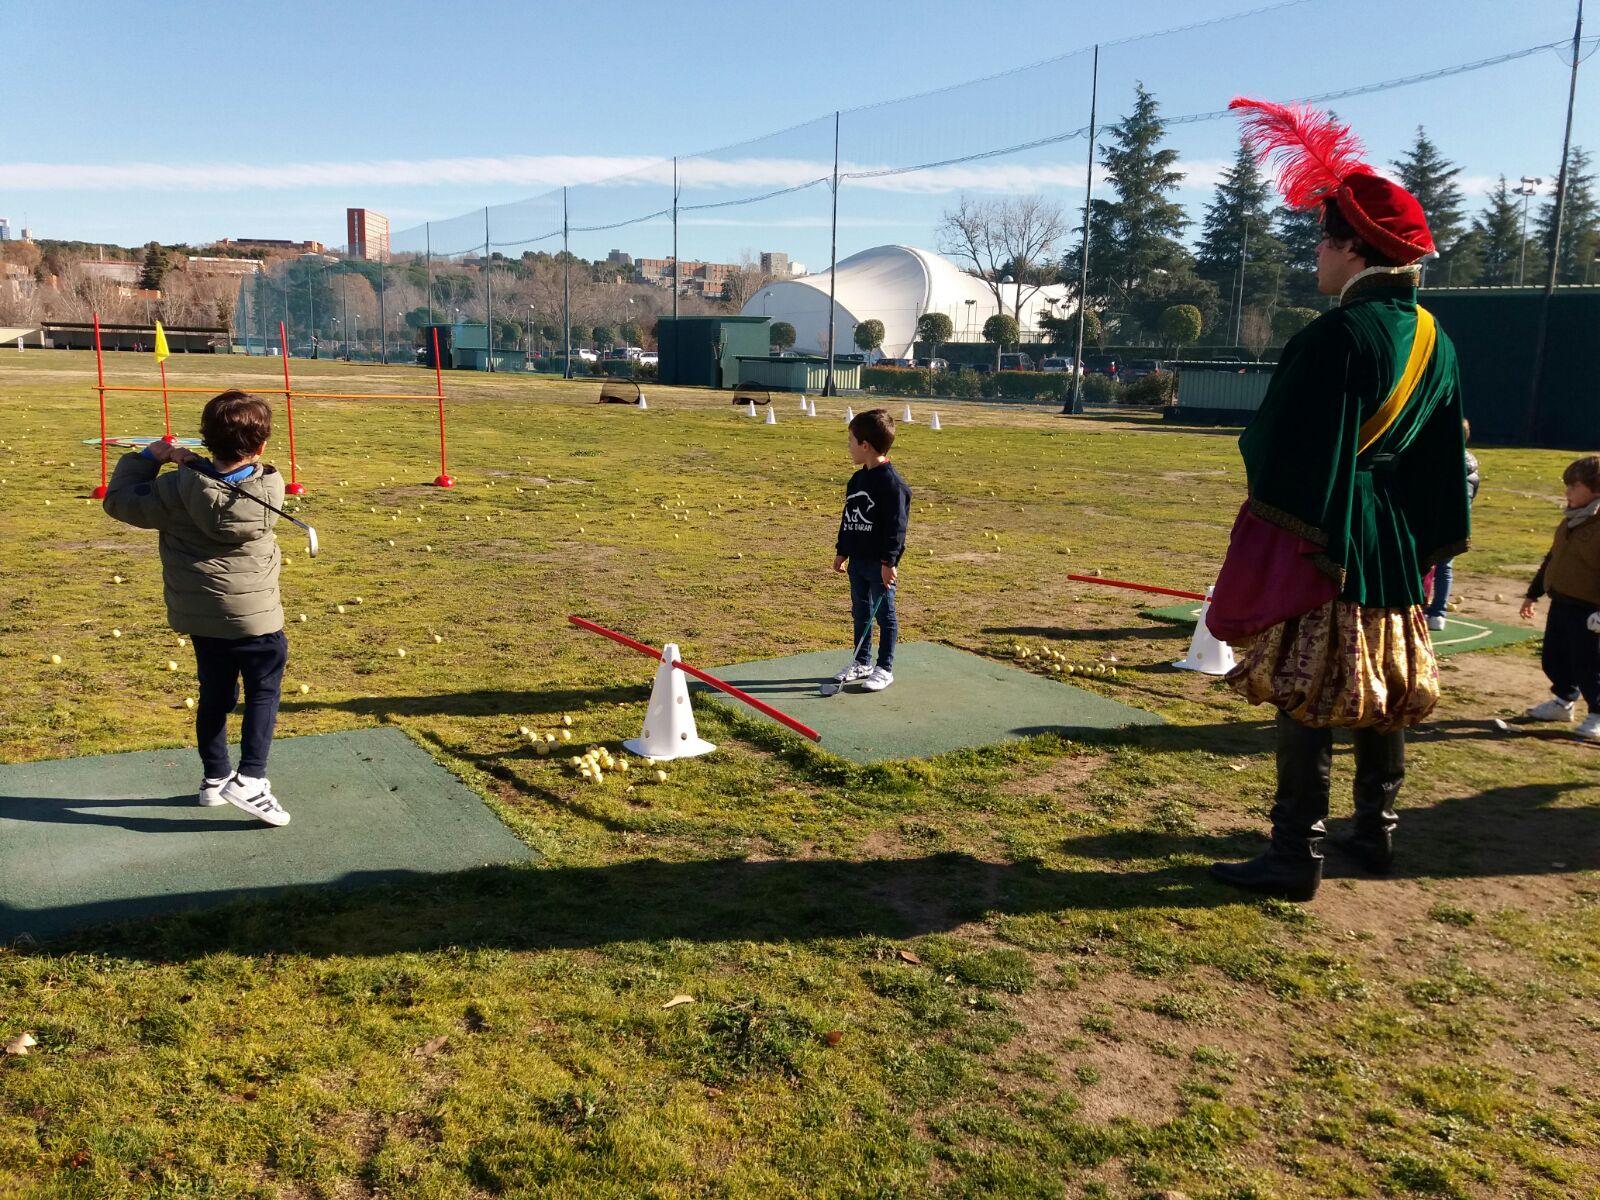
{"x":1585,"y":470}
{"x":235,"y":425}
{"x":874,"y":427}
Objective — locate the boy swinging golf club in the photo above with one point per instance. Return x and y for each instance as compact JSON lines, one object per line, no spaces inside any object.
{"x":219,"y":564}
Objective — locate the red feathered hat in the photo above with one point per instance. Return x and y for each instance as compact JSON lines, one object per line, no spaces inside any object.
{"x":1319,"y":159}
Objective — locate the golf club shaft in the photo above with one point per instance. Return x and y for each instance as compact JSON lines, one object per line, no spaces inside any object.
{"x":871,"y":617}
{"x":239,"y":491}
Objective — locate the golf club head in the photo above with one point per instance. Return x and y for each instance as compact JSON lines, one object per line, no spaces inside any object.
{"x":311,"y":540}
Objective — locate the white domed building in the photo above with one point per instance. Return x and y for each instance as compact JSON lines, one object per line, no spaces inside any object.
{"x":896,"y":285}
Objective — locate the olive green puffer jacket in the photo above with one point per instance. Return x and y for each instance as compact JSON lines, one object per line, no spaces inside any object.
{"x":219,"y":558}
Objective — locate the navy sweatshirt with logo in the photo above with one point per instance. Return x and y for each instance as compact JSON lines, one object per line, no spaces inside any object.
{"x":877,"y":508}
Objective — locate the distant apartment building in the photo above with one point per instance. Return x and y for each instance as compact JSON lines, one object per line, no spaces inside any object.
{"x":367,"y":234}
{"x":111,"y":270}
{"x":200,"y":264}
{"x":775,"y":264}
{"x":269,"y":244}
{"x":695,"y":278}
{"x":619,"y":258}
{"x":5,"y":229}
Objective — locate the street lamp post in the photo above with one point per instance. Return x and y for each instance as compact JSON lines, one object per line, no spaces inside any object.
{"x":1530,"y":185}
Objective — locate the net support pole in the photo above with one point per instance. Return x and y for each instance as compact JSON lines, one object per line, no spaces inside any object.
{"x":744,"y":697}
{"x":488,"y":294}
{"x":1074,"y":402}
{"x":99,"y":493}
{"x":427,"y":234}
{"x":295,"y":488}
{"x":674,"y":239}
{"x":829,"y":388}
{"x":444,"y":479}
{"x":566,"y":289}
{"x":1531,"y":423}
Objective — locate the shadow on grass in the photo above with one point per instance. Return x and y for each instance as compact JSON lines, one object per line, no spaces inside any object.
{"x":481,"y":703}
{"x":1517,"y":830}
{"x":533,"y":908}
{"x":1514,"y":830}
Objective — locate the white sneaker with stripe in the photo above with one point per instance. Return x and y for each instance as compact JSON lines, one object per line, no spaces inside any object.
{"x":211,"y":792}
{"x":255,"y":797}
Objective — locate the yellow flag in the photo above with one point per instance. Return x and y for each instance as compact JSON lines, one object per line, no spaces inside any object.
{"x":161,"y":344}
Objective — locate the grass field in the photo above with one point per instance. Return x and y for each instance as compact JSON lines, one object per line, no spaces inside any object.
{"x":999,"y":973}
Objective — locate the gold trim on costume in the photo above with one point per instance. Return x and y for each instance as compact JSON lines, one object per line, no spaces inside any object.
{"x":1379,"y":423}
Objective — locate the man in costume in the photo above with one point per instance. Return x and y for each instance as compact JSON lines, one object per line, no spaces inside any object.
{"x":1357,"y":453}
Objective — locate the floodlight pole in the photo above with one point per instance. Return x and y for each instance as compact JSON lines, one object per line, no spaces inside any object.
{"x":488,"y":293}
{"x":566,"y":288}
{"x":674,"y":237}
{"x":833,"y":260}
{"x":427,"y":234}
{"x":1531,"y":424}
{"x":1074,"y":403}
{"x":383,"y":316}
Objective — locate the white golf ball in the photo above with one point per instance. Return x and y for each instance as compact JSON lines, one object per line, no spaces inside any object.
{"x":116,"y":633}
{"x":172,"y":664}
{"x":401,"y":652}
{"x":304,"y":688}
{"x":188,"y":701}
{"x":55,"y":659}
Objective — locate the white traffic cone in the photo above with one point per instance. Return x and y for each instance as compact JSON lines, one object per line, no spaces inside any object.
{"x":934,"y":424}
{"x":772,"y":415}
{"x":908,"y":418}
{"x":669,"y":730}
{"x":812,"y":411}
{"x":643,"y":403}
{"x":849,"y":414}
{"x":804,"y":404}
{"x":1206,"y":654}
{"x":752,"y":408}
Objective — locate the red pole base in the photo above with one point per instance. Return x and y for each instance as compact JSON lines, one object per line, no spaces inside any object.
{"x":99,"y":493}
{"x":295,"y":489}
{"x":171,"y":437}
{"x":444,"y":481}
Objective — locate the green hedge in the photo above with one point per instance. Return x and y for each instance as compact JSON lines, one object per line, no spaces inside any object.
{"x":1154,"y":390}
{"x":967,"y":385}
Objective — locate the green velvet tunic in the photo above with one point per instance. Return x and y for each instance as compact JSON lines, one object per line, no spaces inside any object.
{"x":1382,"y":518}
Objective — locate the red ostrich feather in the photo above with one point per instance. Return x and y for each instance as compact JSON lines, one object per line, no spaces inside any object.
{"x":1314,"y":153}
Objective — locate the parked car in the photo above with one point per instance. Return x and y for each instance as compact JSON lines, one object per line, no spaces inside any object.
{"x":648,"y":358}
{"x":1102,"y":364}
{"x":1138,"y":368}
{"x":587,"y":355}
{"x":893,"y":362}
{"x":981,"y":368}
{"x":933,"y":364}
{"x":1057,"y":364}
{"x":1016,"y":362}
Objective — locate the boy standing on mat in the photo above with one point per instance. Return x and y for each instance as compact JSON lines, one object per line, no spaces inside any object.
{"x":1570,"y":575}
{"x":219,"y":566}
{"x":872,"y":537}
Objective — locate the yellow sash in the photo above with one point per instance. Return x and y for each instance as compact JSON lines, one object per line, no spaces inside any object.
{"x":1375,"y":426}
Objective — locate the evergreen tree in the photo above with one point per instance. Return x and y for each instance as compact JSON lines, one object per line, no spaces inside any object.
{"x":1499,"y":231}
{"x":1580,"y":224}
{"x":155,"y":267}
{"x":1136,"y":233}
{"x":1299,"y":231}
{"x":1431,"y":178}
{"x":1238,"y":231}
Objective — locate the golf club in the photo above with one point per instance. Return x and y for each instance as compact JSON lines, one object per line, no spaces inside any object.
{"x":832,"y":686}
{"x":311,"y":534}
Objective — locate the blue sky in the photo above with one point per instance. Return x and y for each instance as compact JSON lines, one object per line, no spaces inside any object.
{"x":190,"y":121}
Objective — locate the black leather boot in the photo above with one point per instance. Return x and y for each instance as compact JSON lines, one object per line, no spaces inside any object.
{"x":1291,"y":868}
{"x":1380,"y":770}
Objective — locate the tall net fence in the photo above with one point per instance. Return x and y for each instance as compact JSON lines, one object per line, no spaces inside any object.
{"x":942,"y":174}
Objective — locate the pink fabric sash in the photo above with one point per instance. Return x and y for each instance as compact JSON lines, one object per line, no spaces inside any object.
{"x":1267,"y":578}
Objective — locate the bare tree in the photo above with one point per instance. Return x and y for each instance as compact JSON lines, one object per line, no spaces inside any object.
{"x":996,"y":238}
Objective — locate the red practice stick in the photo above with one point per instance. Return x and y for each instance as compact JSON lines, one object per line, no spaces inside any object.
{"x":1137,"y":587}
{"x":760,"y":706}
